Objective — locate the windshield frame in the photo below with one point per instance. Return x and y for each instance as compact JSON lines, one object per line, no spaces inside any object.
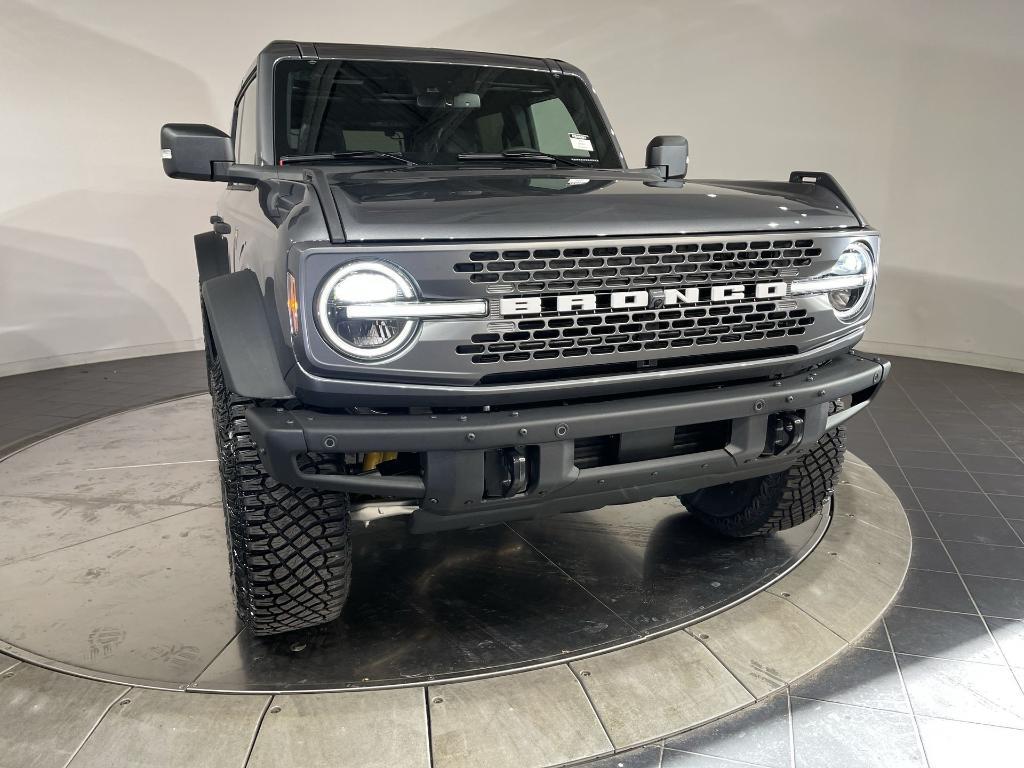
{"x":615,"y":159}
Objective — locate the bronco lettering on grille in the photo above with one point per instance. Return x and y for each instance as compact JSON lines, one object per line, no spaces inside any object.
{"x":660,"y":297}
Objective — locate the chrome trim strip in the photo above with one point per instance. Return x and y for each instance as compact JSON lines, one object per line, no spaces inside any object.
{"x":725,"y":370}
{"x":827,"y":284}
{"x":410,"y":310}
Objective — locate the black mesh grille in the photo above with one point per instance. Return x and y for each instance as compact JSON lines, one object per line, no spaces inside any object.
{"x":553,"y":270}
{"x":592,"y":334}
{"x":599,"y":334}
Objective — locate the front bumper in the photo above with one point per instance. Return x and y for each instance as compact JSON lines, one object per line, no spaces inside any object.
{"x":328,"y":392}
{"x":450,"y":491}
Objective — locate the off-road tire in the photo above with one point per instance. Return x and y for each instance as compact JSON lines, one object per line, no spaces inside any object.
{"x":763,"y":505}
{"x":289,"y":549}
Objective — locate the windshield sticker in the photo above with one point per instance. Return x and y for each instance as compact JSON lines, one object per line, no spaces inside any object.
{"x":581,"y":141}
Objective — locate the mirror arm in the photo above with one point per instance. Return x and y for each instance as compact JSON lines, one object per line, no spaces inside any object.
{"x":240,"y":173}
{"x":219,"y":171}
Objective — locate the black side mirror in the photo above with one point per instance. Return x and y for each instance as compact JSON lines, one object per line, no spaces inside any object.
{"x":194,"y":151}
{"x":670,"y":155}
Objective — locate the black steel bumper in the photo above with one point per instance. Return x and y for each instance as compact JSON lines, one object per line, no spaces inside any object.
{"x":451,"y":490}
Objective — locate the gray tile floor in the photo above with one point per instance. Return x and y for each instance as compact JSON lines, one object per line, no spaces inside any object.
{"x":937,"y":683}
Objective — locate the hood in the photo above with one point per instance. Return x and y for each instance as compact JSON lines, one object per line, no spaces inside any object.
{"x":503,"y":204}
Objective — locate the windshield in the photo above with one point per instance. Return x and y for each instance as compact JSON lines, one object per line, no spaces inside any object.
{"x":432,"y":113}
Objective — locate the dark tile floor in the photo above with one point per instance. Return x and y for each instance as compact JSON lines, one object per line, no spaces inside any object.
{"x":938,"y":682}
{"x":39,"y":404}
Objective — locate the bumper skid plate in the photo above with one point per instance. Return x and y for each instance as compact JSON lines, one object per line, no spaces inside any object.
{"x":453,"y":448}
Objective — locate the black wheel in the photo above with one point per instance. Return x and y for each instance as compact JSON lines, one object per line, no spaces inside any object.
{"x":763,"y":505}
{"x":289,"y":549}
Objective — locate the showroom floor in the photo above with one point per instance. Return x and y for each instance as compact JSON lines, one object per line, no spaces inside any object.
{"x":938,"y":682}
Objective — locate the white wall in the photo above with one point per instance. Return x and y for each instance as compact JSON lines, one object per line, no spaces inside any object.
{"x":915,"y":106}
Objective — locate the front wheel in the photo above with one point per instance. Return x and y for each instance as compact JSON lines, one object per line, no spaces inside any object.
{"x":763,"y":505}
{"x":289,"y":548}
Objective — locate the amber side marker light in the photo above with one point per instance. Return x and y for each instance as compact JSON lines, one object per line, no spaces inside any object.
{"x":293,"y":305}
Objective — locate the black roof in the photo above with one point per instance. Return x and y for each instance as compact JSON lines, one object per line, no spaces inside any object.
{"x":281,"y":48}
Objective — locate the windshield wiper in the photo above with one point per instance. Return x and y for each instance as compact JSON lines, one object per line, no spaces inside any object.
{"x":355,"y":154}
{"x":521,"y":154}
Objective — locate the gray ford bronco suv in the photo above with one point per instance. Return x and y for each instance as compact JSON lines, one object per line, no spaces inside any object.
{"x":433,"y":289}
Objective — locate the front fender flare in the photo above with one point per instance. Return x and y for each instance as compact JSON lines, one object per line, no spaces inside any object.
{"x":241,"y":336}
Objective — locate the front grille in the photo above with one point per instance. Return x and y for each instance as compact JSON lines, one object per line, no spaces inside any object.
{"x":591,"y":334}
{"x":597,"y":334}
{"x":555,"y":270}
{"x":603,"y":451}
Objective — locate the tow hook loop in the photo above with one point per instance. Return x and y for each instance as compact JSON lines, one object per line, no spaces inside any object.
{"x":506,"y":472}
{"x":515,"y":464}
{"x":785,"y":433}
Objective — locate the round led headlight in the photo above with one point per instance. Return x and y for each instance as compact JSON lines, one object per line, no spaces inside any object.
{"x":364,"y":283}
{"x":856,"y":261}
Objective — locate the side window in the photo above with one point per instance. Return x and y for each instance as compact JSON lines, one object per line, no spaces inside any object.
{"x":552,"y":125}
{"x":245,"y":127}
